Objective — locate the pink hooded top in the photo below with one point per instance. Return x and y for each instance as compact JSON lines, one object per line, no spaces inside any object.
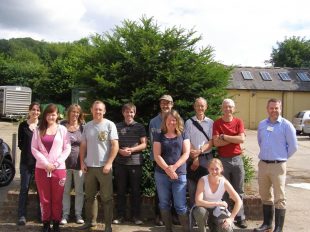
{"x":59,"y":152}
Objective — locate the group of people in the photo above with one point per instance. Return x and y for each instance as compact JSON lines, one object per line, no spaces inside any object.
{"x":84,"y":153}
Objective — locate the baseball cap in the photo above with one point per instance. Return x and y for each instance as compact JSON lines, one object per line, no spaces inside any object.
{"x":166,"y":97}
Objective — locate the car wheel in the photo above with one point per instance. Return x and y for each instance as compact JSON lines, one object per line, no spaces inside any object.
{"x":7,"y":172}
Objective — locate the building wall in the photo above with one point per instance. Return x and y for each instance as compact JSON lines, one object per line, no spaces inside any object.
{"x":251,"y":105}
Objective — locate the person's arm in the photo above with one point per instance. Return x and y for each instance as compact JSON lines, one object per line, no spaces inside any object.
{"x":237,"y":139}
{"x":183,"y":157}
{"x":291,"y":140}
{"x":199,"y":201}
{"x":35,"y":150}
{"x":66,"y":148}
{"x":140,"y":147}
{"x":83,"y":147}
{"x":114,"y":149}
{"x":235,"y":197}
{"x":218,"y":142}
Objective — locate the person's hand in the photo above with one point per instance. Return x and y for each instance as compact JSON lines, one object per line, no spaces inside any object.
{"x":83,"y":167}
{"x":171,"y":172}
{"x":223,"y":204}
{"x":50,"y":167}
{"x":195,"y":164}
{"x":107,"y":168}
{"x":125,"y":151}
{"x":194,"y":153}
{"x":227,"y":222}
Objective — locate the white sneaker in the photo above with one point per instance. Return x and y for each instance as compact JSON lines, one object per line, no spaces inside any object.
{"x":79,"y":220}
{"x":63,"y":221}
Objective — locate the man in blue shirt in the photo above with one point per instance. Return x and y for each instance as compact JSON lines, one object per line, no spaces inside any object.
{"x":277,"y":141}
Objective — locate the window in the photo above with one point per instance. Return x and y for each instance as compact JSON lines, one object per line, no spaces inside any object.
{"x":284,"y":76}
{"x":247,"y":75}
{"x":303,"y":76}
{"x":266,"y":76}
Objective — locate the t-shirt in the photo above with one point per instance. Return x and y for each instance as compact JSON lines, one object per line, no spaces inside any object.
{"x":171,"y":151}
{"x":73,"y":161}
{"x":130,"y":136}
{"x":98,"y":138}
{"x":235,"y":127}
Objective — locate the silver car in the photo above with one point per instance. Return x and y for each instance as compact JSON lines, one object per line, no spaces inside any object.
{"x":299,"y":120}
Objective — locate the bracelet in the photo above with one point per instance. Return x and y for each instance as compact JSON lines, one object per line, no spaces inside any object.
{"x":201,"y":151}
{"x":222,"y":137}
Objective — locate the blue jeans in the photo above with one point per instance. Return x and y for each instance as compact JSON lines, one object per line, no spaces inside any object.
{"x":167,"y":188}
{"x":26,"y":176}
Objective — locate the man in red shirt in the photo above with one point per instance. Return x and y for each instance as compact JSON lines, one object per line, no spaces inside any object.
{"x":228,"y":134}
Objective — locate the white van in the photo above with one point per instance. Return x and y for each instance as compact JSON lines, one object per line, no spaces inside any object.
{"x":299,"y":120}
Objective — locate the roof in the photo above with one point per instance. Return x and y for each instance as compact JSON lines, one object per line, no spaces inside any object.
{"x":237,"y":81}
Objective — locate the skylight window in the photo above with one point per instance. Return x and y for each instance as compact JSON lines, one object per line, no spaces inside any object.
{"x":284,"y":76}
{"x":303,"y":76}
{"x":266,"y":76}
{"x":247,"y":75}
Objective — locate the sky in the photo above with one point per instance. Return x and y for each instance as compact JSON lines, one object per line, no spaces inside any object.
{"x":241,"y":32}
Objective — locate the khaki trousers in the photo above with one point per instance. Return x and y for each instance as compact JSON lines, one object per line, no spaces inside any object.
{"x":271,"y":182}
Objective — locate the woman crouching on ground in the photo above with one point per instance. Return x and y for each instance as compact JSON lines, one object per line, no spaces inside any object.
{"x":209,"y":204}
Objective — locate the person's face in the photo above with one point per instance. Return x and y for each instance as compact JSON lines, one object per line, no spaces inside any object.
{"x":165,"y":106}
{"x":51,"y":118}
{"x":200,"y":107}
{"x":228,"y":109}
{"x":215,"y":169}
{"x":74,"y":115}
{"x":274,"y":110}
{"x":129,"y":115}
{"x":171,"y":123}
{"x":98,"y":110}
{"x":35,"y":112}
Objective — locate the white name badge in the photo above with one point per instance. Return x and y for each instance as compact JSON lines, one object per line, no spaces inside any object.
{"x":270,"y":128}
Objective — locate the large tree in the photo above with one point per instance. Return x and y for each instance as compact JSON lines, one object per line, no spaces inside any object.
{"x":138,"y":62}
{"x":293,"y":52}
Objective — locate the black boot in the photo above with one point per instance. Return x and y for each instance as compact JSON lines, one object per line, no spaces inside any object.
{"x":184,"y":222}
{"x":46,"y":226}
{"x":279,"y":220}
{"x":167,"y":219}
{"x":56,"y":226}
{"x":268,"y":212}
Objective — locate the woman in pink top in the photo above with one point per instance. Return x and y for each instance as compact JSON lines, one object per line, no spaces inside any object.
{"x":209,"y":204}
{"x":51,"y":147}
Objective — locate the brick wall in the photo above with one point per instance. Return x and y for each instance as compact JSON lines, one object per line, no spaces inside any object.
{"x":8,"y":211}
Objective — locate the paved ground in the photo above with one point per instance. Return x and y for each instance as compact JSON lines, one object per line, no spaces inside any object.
{"x":298,"y":199}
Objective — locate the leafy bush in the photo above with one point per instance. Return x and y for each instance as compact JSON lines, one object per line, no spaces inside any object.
{"x":248,"y":168}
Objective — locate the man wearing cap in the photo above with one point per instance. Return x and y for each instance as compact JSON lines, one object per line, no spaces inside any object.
{"x":228,"y":134}
{"x":166,"y":104}
{"x":277,"y":142}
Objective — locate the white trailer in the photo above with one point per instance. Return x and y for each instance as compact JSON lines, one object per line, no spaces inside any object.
{"x":14,"y":101}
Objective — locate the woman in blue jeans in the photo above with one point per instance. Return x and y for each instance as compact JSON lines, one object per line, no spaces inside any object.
{"x":27,"y":161}
{"x":171,"y":150}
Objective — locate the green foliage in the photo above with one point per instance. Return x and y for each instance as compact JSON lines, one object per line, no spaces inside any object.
{"x":47,"y":68}
{"x":148,"y":181}
{"x":293,"y":52}
{"x":248,"y":167}
{"x":139,"y":62}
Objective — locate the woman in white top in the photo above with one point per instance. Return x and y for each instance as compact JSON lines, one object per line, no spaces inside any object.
{"x":208,"y":199}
